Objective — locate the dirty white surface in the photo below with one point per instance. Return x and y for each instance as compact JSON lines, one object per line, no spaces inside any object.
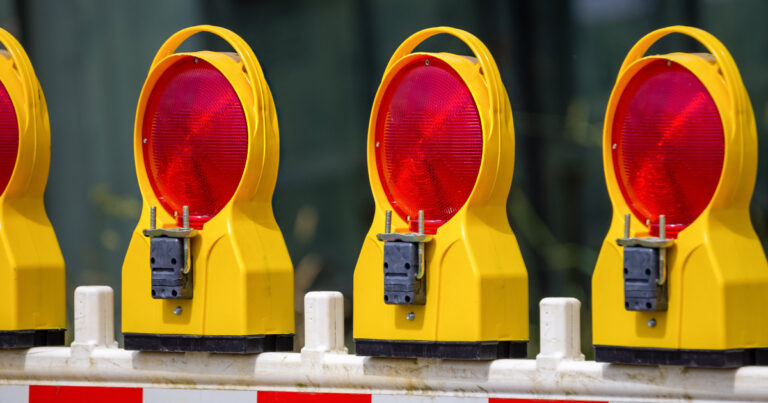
{"x":560,"y":371}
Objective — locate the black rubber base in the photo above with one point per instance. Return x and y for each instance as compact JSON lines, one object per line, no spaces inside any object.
{"x":688,"y":358}
{"x":481,"y":350}
{"x":31,"y":338}
{"x":210,"y":344}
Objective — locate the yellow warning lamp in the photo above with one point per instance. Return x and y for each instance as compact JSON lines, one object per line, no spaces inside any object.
{"x":681,"y":278}
{"x":440,"y":273}
{"x":32,"y":277}
{"x":207,"y":268}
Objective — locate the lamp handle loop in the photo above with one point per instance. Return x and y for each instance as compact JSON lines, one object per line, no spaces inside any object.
{"x":488,"y":65}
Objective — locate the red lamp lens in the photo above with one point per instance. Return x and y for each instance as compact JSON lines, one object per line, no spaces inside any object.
{"x":668,"y":145}
{"x":195,"y":140}
{"x":429,"y":142}
{"x":9,"y":138}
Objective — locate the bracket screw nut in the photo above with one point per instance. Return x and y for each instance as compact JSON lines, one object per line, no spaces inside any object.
{"x":652,"y":323}
{"x":410,"y":316}
{"x":177,"y":310}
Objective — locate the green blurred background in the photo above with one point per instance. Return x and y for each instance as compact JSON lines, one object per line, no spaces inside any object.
{"x":323,"y":61}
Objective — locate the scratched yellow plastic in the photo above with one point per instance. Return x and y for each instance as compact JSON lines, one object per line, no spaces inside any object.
{"x":477,"y":285}
{"x":717,"y":270}
{"x":32,"y":275}
{"x":242,"y":274}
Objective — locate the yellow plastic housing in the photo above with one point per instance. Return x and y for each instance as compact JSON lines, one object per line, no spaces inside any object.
{"x":477,"y":285}
{"x":242,"y":273}
{"x":717,"y":270}
{"x":32,"y":275}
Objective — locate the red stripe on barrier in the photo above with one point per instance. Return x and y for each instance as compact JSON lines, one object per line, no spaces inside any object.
{"x":502,"y":400}
{"x":291,"y":397}
{"x":82,"y":394}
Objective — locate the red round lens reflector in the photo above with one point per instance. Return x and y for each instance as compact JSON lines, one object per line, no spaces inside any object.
{"x":195,"y":140}
{"x":9,"y":138}
{"x":429,"y":142}
{"x":668,"y":145}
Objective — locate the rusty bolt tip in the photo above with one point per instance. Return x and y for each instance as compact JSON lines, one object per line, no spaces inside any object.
{"x":153,"y":217}
{"x":185,"y":218}
{"x":626,"y":225}
{"x":421,"y":221}
{"x":388,"y":222}
{"x":662,"y":226}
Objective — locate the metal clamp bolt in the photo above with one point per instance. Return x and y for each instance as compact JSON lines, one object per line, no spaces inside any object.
{"x":661,"y":242}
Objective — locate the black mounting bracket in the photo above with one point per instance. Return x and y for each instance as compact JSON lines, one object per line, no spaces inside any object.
{"x":405,"y":281}
{"x":645,"y":269}
{"x":170,"y":258}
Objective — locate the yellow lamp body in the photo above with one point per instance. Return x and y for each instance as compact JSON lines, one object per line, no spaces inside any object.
{"x":242,"y":273}
{"x":717,"y":272}
{"x":32,"y":275}
{"x":476,"y":282}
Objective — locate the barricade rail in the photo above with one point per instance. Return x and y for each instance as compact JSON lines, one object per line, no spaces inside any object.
{"x":93,"y":368}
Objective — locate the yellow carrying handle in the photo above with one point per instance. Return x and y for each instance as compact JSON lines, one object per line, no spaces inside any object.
{"x":714,"y":46}
{"x":252,"y":67}
{"x":488,"y":65}
{"x":24,"y":67}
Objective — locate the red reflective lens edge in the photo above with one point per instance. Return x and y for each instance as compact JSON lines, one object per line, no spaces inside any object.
{"x":195,"y":140}
{"x":668,"y":145}
{"x":9,"y":138}
{"x":429,"y":142}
